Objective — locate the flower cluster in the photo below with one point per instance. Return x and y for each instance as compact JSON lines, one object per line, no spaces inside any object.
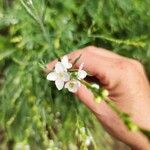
{"x":64,"y":77}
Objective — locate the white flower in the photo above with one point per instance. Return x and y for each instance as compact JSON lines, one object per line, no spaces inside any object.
{"x":65,"y":62}
{"x":73,"y":85}
{"x":59,"y":75}
{"x":81,"y":73}
{"x":88,"y":140}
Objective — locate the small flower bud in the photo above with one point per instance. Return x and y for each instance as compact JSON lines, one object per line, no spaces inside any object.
{"x":96,"y":86}
{"x":98,"y":99}
{"x":105,"y":93}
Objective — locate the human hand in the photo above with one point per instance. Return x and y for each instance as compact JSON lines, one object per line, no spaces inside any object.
{"x":128,"y":87}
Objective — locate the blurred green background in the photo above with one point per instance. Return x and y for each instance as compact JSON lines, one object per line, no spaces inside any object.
{"x":33,"y":114}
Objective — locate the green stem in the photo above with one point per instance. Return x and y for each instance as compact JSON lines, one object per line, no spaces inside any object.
{"x":88,"y":85}
{"x":135,"y":43}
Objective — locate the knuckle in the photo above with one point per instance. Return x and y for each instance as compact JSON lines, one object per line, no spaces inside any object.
{"x":125,"y":66}
{"x":122,"y":64}
{"x":137,"y":64}
{"x":130,"y":66}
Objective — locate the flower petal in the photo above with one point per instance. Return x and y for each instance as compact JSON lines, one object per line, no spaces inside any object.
{"x":66,"y":76}
{"x":65,"y":59}
{"x":59,"y":67}
{"x":59,"y":84}
{"x":67,"y":85}
{"x":74,"y":89}
{"x":65,"y":62}
{"x":52,"y":76}
{"x":82,"y":74}
{"x":81,"y":66}
{"x":72,"y":86}
{"x":69,"y":66}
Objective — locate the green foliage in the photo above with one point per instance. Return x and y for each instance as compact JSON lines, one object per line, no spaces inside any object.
{"x":32,"y":111}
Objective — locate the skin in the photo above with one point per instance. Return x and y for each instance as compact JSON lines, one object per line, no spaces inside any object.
{"x":128,"y":87}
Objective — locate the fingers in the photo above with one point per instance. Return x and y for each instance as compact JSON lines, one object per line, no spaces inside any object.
{"x":97,"y":65}
{"x":87,"y":97}
{"x":102,"y":111}
{"x":96,"y":51}
{"x":90,"y":61}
